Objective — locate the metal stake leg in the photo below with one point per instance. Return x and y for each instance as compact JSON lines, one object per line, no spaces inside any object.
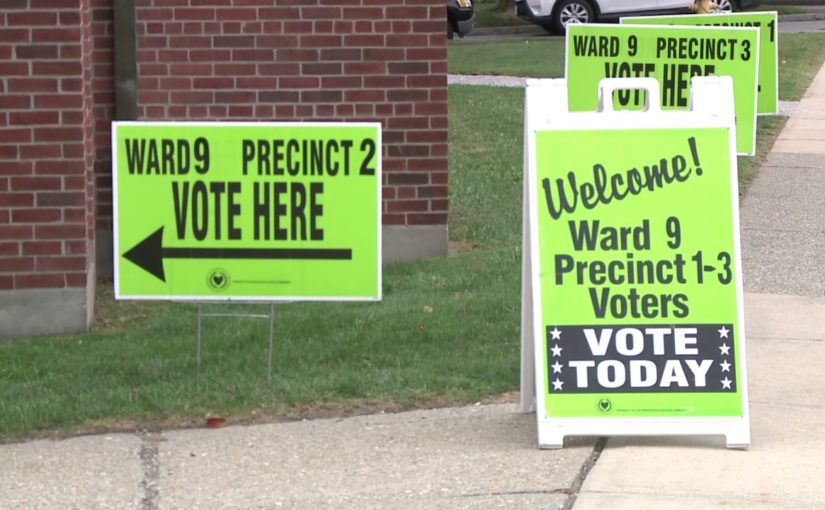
{"x":198,"y":348}
{"x":271,"y":330}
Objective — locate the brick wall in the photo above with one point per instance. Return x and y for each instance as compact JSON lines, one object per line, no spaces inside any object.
{"x":273,"y":60}
{"x":311,"y":60}
{"x":46,"y":200}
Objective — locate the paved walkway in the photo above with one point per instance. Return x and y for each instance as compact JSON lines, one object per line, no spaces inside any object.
{"x":783,"y":248}
{"x":485,"y":457}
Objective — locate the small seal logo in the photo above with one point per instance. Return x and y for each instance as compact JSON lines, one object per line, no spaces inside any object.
{"x":218,"y":280}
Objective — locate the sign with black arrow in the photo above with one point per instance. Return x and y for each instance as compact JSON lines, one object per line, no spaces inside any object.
{"x":247,"y":211}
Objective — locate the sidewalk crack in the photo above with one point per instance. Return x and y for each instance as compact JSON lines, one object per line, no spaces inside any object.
{"x":601,"y":443}
{"x":150,"y":463}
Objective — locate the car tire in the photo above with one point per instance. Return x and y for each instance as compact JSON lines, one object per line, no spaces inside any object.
{"x":725,"y":6}
{"x":572,"y":11}
{"x":450,"y":31}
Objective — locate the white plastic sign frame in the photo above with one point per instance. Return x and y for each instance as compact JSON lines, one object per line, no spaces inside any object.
{"x":546,"y":110}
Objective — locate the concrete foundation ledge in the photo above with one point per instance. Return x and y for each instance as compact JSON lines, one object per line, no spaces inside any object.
{"x":34,"y":312}
{"x":413,"y":243}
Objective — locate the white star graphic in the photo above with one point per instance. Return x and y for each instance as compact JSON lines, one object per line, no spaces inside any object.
{"x":556,"y":350}
{"x":725,"y":365}
{"x":726,"y":383}
{"x":557,"y":385}
{"x":555,"y":333}
{"x":556,"y":367}
{"x":723,"y":332}
{"x":725,"y":348}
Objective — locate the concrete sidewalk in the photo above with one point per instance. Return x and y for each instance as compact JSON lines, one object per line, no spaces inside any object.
{"x":485,"y":456}
{"x":783,"y":251}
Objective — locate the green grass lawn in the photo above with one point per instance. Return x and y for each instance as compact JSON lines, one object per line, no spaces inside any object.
{"x":446,"y":331}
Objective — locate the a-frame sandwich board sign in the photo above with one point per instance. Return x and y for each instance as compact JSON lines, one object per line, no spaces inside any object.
{"x":633,"y":320}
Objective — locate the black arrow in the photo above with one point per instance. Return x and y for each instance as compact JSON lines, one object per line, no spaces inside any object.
{"x":149,"y":254}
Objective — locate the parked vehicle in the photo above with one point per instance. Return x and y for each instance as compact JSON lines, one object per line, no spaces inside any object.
{"x":460,"y":17}
{"x":555,"y":15}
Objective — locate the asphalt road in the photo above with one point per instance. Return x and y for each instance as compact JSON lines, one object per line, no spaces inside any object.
{"x":793,"y":24}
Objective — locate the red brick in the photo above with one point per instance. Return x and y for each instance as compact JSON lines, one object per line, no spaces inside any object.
{"x":9,"y":249}
{"x":428,"y":164}
{"x":298,"y":82}
{"x":57,"y":134}
{"x":9,"y":232}
{"x":8,"y":152}
{"x":16,"y":264}
{"x":35,"y":51}
{"x":187,"y":69}
{"x":320,"y":41}
{"x":34,"y":117}
{"x":432,"y":191}
{"x":321,"y":96}
{"x":60,"y":263}
{"x":341,"y":54}
{"x":75,"y":247}
{"x":16,"y":168}
{"x":168,"y":84}
{"x":439,"y":205}
{"x":426,"y":53}
{"x":35,"y":183}
{"x":76,"y":280}
{"x":16,"y":199}
{"x":43,"y":35}
{"x":326,"y":68}
{"x":428,"y":26}
{"x":362,"y":68}
{"x":407,"y":178}
{"x":8,"y":68}
{"x":31,"y":18}
{"x":225,"y":69}
{"x":222,"y":97}
{"x":64,"y":231}
{"x":6,"y":282}
{"x":42,"y":248}
{"x":278,"y":96}
{"x":427,"y":219}
{"x":209,"y":55}
{"x":341,"y":82}
{"x":46,"y":101}
{"x":279,"y":69}
{"x":384,"y":82}
{"x":195,"y":13}
{"x":364,"y":41}
{"x":296,"y":55}
{"x":191,"y":97}
{"x":363,"y":13}
{"x":60,"y":199}
{"x":364,"y":96}
{"x":253,"y":55}
{"x":39,"y":281}
{"x":35,"y":215}
{"x":15,"y":35}
{"x":393,"y":219}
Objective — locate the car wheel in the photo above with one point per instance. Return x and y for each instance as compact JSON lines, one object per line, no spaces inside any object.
{"x":724,"y":6}
{"x":450,"y":31}
{"x":569,"y":12}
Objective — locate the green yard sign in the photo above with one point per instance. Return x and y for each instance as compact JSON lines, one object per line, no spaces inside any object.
{"x":670,"y":54}
{"x":635,"y":271}
{"x":247,"y":211}
{"x":768,"y":25}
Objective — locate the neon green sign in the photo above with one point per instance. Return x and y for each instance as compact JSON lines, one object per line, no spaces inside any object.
{"x":766,"y":22}
{"x":638,"y":273}
{"x":672,"y":55}
{"x":247,"y":211}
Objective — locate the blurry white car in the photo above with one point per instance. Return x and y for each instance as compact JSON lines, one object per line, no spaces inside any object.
{"x":555,"y":15}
